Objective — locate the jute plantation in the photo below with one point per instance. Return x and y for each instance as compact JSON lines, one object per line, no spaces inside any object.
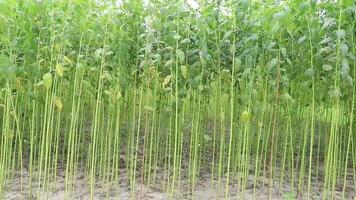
{"x":181,"y":99}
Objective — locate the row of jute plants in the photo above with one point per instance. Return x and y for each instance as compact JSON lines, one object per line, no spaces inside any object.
{"x":164,"y":92}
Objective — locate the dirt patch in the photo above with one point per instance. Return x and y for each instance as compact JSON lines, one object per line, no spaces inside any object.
{"x":19,"y":187}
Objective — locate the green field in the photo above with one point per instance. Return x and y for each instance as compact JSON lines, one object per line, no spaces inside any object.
{"x":158,"y":99}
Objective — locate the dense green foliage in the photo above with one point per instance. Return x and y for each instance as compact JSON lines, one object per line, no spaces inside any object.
{"x":231,"y":88}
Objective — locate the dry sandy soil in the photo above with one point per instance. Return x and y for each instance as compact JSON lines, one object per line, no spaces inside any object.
{"x":205,"y":190}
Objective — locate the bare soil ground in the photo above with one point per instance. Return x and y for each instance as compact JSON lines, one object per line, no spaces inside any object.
{"x":205,"y":190}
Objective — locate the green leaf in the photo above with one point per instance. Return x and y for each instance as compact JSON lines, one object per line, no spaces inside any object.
{"x":273,"y":63}
{"x":106,"y":76}
{"x":302,"y":39}
{"x":185,"y":41}
{"x":184,"y":70}
{"x":335,"y":93}
{"x":167,"y":80}
{"x":108,"y":53}
{"x":304,"y":6}
{"x":275,"y":28}
{"x":47,"y":80}
{"x":289,"y":196}
{"x":237,"y":62}
{"x":59,"y":70}
{"x":327,"y":68}
{"x":233,"y":49}
{"x":80,"y":68}
{"x":226,"y":35}
{"x":98,"y":53}
{"x":345,"y":69}
{"x":58,"y":103}
{"x":283,"y":51}
{"x":253,"y":37}
{"x":328,"y":23}
{"x":148,"y":48}
{"x":168,"y":63}
{"x":207,"y":138}
{"x":344,"y":49}
{"x":245,"y":116}
{"x":287,"y":96}
{"x":180,"y":55}
{"x":271,"y":45}
{"x":176,"y":37}
{"x":326,"y":40}
{"x":340,"y":33}
{"x":309,"y":73}
{"x":40,"y":83}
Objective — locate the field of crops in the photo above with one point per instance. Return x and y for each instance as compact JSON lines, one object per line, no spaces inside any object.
{"x":158,"y":99}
